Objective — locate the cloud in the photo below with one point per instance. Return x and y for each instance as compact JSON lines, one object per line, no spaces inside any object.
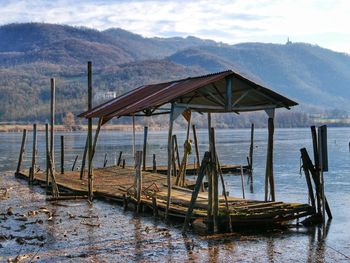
{"x":230,"y":21}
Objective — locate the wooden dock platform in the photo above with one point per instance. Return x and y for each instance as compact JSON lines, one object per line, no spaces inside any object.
{"x":116,"y":183}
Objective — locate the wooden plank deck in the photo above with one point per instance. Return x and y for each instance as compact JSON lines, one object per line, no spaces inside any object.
{"x":115,"y":183}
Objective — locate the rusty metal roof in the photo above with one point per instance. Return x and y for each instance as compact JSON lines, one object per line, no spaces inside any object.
{"x":206,"y":93}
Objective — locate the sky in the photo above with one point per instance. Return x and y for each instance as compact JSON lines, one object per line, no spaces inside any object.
{"x":322,"y":22}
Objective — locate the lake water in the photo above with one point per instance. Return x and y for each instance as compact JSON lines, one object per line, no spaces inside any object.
{"x":124,"y":236}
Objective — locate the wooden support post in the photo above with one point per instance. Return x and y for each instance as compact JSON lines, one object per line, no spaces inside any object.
{"x":119,"y":158}
{"x":307,"y":177}
{"x":201,"y":174}
{"x":138,"y":165}
{"x":52,"y":123}
{"x":31,"y":178}
{"x":145,"y":135}
{"x":242,"y":182}
{"x":75,"y":161}
{"x":62,"y":154}
{"x":210,"y":182}
{"x":251,"y":150}
{"x":82,"y":169}
{"x":315,"y":148}
{"x":123,"y":165}
{"x":269,"y":177}
{"x":90,"y":175}
{"x":154,"y":206}
{"x":196,"y":146}
{"x":215,"y":182}
{"x":21,"y":152}
{"x":154,"y":164}
{"x":133,"y":137}
{"x":47,"y":147}
{"x":54,"y":187}
{"x":105,"y":160}
{"x":170,"y":152}
{"x":224,"y":192}
{"x":177,"y":151}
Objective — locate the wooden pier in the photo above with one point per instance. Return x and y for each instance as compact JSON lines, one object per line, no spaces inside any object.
{"x":117,"y":184}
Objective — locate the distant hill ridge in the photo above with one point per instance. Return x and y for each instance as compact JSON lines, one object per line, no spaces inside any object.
{"x":31,"y":53}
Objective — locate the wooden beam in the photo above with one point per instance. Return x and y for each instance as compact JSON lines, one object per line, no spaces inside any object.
{"x":62,"y":154}
{"x":269,"y":177}
{"x":83,"y":161}
{"x":196,"y":145}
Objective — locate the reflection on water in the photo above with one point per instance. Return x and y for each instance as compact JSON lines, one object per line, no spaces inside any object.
{"x":78,"y":231}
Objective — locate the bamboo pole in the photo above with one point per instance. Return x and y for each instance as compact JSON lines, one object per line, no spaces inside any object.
{"x":90,"y":175}
{"x":62,"y":154}
{"x":82,"y":169}
{"x":170,"y":150}
{"x":52,"y":122}
{"x":31,"y":178}
{"x":145,"y":135}
{"x":196,"y":145}
{"x":21,"y":152}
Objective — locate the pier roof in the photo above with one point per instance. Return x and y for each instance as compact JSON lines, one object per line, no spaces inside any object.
{"x":225,"y":91}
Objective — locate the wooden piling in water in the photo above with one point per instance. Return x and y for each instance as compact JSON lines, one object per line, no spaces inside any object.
{"x":75,"y":161}
{"x":31,"y":178}
{"x":154,"y":164}
{"x":52,"y":122}
{"x":269,"y":177}
{"x":47,"y":146}
{"x":251,"y":150}
{"x":307,"y":177}
{"x":90,"y":175}
{"x":105,"y":160}
{"x":196,"y":146}
{"x":123,"y":165}
{"x":176,"y":147}
{"x":119,"y":158}
{"x":138,"y":164}
{"x":242,"y":182}
{"x":170,"y":152}
{"x":215,"y":181}
{"x":21,"y":152}
{"x":83,"y":160}
{"x":145,"y":135}
{"x":199,"y":181}
{"x":62,"y":154}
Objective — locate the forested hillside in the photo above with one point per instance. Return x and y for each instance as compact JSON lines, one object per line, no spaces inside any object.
{"x":32,"y":53}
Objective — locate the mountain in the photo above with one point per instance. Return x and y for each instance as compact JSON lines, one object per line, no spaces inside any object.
{"x":32,"y":53}
{"x":307,"y":73}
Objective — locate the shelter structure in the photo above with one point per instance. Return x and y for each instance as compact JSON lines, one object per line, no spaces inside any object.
{"x":221,"y":92}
